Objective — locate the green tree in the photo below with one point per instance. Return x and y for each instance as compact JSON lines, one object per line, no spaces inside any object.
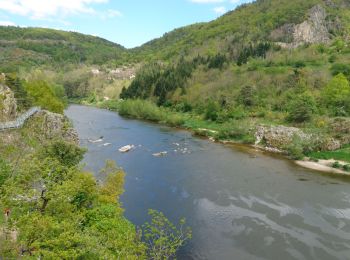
{"x":43,"y":96}
{"x":302,"y":108}
{"x":336,"y":94}
{"x":163,"y":238}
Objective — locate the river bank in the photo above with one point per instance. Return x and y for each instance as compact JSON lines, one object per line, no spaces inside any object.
{"x":290,"y":141}
{"x":238,"y":201}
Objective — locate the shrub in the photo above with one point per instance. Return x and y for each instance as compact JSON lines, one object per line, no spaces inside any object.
{"x":247,"y":96}
{"x":42,"y":95}
{"x":339,"y":68}
{"x":336,"y":95}
{"x":296,"y":148}
{"x":336,"y":165}
{"x":67,"y":154}
{"x":301,"y":108}
{"x":212,"y":111}
{"x":346,"y":167}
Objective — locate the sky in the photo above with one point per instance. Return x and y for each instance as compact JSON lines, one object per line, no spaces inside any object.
{"x":127,"y":22}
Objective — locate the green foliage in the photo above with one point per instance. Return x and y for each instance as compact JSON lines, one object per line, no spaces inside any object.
{"x":342,"y":154}
{"x":149,"y":111}
{"x":67,"y":154}
{"x":212,"y":111}
{"x":296,"y":148}
{"x":247,"y":96}
{"x":42,"y":95}
{"x":33,"y":47}
{"x":217,"y":61}
{"x":302,"y":108}
{"x":154,"y":80}
{"x":5,"y":171}
{"x":336,"y":95}
{"x":336,"y":165}
{"x":255,"y":51}
{"x":340,"y":68}
{"x":163,"y":238}
{"x":21,"y":95}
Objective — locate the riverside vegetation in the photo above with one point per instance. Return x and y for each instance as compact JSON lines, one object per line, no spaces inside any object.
{"x":288,"y":64}
{"x":53,"y":208}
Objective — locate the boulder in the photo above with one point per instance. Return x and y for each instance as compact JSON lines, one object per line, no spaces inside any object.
{"x":57,"y":126}
{"x":278,"y":136}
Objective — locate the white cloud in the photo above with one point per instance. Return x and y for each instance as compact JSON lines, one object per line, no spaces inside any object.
{"x":43,"y":9}
{"x":7,"y":23}
{"x":207,"y":1}
{"x":220,"y":10}
{"x":113,"y":13}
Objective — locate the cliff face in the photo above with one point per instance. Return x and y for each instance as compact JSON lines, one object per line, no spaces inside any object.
{"x":314,"y":30}
{"x":8,"y":104}
{"x":56,"y":126}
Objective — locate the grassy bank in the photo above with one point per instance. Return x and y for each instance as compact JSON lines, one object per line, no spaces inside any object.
{"x":237,"y":130}
{"x":341,"y":155}
{"x":240,"y":131}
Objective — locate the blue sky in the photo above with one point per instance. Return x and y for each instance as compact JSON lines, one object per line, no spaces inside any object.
{"x":127,"y":22}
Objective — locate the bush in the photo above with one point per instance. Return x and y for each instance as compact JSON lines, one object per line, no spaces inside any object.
{"x":212,"y":111}
{"x":336,"y":165}
{"x":346,"y":167}
{"x":43,"y":96}
{"x":163,"y":237}
{"x":247,"y":96}
{"x":339,"y":68}
{"x":336,"y":95}
{"x":67,"y":154}
{"x":296,"y":148}
{"x":301,"y":108}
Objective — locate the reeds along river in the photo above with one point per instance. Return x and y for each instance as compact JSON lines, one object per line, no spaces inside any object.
{"x":240,"y":203}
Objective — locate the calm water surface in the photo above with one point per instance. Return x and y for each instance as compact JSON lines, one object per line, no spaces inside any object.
{"x":240,"y":203}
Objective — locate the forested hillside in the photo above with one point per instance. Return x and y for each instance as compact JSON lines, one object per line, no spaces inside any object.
{"x":248,"y":23}
{"x":272,"y":62}
{"x":34,"y":47}
{"x":266,"y":63}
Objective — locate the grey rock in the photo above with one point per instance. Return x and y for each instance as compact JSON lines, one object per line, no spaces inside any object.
{"x":8,"y":104}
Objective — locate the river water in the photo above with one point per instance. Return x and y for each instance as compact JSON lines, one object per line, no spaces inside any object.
{"x":241,"y":203}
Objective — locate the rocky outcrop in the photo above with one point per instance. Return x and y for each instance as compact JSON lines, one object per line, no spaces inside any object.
{"x":314,"y":30}
{"x":341,"y":127}
{"x":57,"y":126}
{"x":8,"y":104}
{"x":278,"y":136}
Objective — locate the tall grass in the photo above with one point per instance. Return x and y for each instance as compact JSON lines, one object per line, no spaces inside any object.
{"x":143,"y":109}
{"x":341,"y":155}
{"x":146,"y":110}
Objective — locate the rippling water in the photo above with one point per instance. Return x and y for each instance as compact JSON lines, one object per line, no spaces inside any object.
{"x":241,"y":203}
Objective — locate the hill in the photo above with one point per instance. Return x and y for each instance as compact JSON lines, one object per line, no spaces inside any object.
{"x":248,"y":23}
{"x":33,"y":47}
{"x":271,"y":62}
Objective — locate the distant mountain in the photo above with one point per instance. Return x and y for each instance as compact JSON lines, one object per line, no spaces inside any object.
{"x":28,"y":47}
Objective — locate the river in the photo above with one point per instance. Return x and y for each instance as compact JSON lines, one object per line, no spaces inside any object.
{"x":240,"y":202}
